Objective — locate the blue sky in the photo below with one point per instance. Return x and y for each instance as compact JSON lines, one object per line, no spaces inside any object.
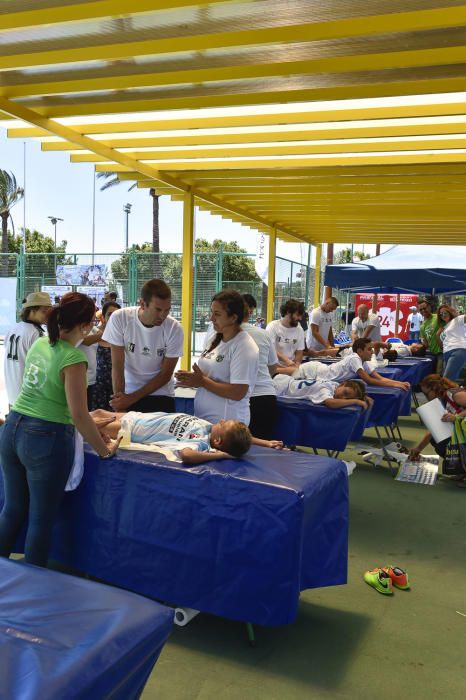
{"x":56,"y":187}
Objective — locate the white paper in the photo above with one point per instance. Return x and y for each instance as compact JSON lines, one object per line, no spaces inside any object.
{"x":431,"y":415}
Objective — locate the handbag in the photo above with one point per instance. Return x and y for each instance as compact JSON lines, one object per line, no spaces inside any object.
{"x":454,"y":463}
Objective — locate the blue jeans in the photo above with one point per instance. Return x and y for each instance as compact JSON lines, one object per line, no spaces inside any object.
{"x":36,"y":459}
{"x":454,"y":361}
{"x":414,"y":335}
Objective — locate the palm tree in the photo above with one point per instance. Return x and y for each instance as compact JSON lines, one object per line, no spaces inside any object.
{"x":10,"y":194}
{"x":113,"y":180}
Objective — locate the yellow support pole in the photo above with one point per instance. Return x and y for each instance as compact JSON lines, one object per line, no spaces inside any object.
{"x":317,"y":276}
{"x":271,"y":274}
{"x":187,"y":279}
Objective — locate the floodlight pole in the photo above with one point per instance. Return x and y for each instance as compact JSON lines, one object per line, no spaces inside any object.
{"x":54,"y":220}
{"x":127,"y":210}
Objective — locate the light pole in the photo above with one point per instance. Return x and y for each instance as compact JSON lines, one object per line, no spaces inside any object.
{"x":127,"y":210}
{"x":54,"y":221}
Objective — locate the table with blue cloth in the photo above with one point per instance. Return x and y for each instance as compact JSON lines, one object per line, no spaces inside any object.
{"x":236,"y":538}
{"x":64,"y":637}
{"x":413,"y":369}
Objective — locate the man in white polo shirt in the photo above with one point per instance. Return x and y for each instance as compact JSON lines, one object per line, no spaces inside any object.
{"x":146,"y":344}
{"x":287,"y":335}
{"x":365,"y":325}
{"x":320,"y":333}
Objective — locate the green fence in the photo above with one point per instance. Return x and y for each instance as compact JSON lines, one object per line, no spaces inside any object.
{"x":129,"y":271}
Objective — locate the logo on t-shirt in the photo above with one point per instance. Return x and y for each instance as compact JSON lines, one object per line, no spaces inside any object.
{"x":131,"y":347}
{"x":160,"y":352}
{"x":35,"y":375}
{"x":220,"y":358}
{"x":145,"y":350}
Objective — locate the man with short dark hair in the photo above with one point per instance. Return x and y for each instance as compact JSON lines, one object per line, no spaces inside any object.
{"x":320,"y":333}
{"x":146,"y":344}
{"x":287,"y":335}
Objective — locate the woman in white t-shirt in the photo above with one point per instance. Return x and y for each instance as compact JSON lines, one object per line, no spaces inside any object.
{"x":227,"y":369}
{"x":452,"y":337}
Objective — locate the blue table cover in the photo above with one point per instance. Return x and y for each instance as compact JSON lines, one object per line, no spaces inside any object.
{"x":64,"y":637}
{"x":236,"y":538}
{"x":389,"y":404}
{"x":413,"y":369}
{"x":304,"y":423}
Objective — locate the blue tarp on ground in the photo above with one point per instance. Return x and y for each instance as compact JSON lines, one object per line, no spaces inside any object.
{"x":404,"y":268}
{"x":63,"y":637}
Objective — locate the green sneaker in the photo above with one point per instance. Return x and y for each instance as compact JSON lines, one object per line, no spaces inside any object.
{"x":380,"y":580}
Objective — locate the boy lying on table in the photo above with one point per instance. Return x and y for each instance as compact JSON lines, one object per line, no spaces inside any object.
{"x":353,"y":366}
{"x":331,"y":394}
{"x":192,"y":439}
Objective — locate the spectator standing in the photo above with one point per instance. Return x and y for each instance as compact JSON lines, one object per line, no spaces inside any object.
{"x":453,"y":340}
{"x":227,"y":369}
{"x":428,"y":331}
{"x":365,"y":325}
{"x":413,"y":324}
{"x":19,"y":339}
{"x":287,"y":335}
{"x":103,"y":385}
{"x":146,"y":344}
{"x":263,"y":400}
{"x":37,"y":454}
{"x":320,"y":333}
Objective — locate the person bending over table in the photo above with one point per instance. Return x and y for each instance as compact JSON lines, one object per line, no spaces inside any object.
{"x":355,"y":364}
{"x":36,"y":454}
{"x":196,"y":440}
{"x":146,"y":344}
{"x":331,"y":394}
{"x":227,"y":369}
{"x":263,"y":400}
{"x":287,"y":334}
{"x":320,"y":333}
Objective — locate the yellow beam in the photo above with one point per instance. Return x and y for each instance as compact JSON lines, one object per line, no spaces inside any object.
{"x":81,"y":11}
{"x":317,"y":275}
{"x":313,"y":31}
{"x":204,"y":121}
{"x":271,"y":275}
{"x":187,"y":278}
{"x":228,"y":98}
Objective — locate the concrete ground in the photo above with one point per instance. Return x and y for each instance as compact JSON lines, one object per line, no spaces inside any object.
{"x":350,"y":641}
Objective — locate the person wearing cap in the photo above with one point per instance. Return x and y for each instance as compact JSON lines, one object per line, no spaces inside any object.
{"x":413,"y":324}
{"x":19,"y":339}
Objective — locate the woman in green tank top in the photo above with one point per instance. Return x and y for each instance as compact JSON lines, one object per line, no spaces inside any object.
{"x":37,"y":440}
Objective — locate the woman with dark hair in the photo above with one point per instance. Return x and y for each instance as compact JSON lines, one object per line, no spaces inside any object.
{"x":103,"y":386}
{"x":227,"y":369}
{"x":452,"y":337}
{"x":37,"y":441}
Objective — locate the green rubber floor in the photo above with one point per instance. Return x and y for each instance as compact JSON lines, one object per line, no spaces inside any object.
{"x":350,"y":641}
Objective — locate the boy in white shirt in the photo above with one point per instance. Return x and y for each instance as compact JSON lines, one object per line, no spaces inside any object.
{"x":19,"y":339}
{"x":320,"y":333}
{"x":146,"y":344}
{"x":365,"y":325}
{"x":287,"y":334}
{"x":330,"y":394}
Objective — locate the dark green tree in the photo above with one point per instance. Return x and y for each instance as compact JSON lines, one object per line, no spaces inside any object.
{"x":10,"y":194}
{"x":346,"y":256}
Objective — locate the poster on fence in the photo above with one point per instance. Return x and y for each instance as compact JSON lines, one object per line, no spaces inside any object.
{"x":7,"y":303}
{"x":85,"y":275}
{"x":94,"y":292}
{"x":386,"y":311}
{"x":55,"y":290}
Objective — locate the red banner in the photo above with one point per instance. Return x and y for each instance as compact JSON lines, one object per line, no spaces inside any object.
{"x":386,"y":311}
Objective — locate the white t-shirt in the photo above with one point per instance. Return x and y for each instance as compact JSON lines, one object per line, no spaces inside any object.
{"x":286,"y":340}
{"x":313,"y":390}
{"x":359,"y":326}
{"x":324,"y":320}
{"x":179,"y":428}
{"x":91,"y":353}
{"x":336,"y":372}
{"x":453,"y":336}
{"x":145,"y":348}
{"x":233,"y":362}
{"x":264,"y":385}
{"x":414,"y":322}
{"x":18,"y":340}
{"x":402,"y":350}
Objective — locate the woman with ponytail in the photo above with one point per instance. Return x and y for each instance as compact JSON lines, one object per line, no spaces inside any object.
{"x":227,"y":369}
{"x":37,"y":441}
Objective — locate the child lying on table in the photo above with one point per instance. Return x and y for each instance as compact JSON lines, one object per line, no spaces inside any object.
{"x":193,"y":439}
{"x":331,"y":394}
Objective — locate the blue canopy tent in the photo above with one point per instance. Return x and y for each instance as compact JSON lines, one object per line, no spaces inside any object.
{"x":404,"y":269}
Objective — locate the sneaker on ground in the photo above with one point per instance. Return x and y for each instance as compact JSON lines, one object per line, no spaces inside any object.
{"x":399,"y":577}
{"x":380,"y":580}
